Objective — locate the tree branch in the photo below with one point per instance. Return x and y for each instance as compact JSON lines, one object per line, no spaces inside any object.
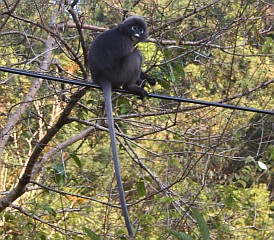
{"x":25,"y":179}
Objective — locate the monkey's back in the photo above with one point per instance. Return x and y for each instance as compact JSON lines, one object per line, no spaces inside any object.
{"x":113,"y":58}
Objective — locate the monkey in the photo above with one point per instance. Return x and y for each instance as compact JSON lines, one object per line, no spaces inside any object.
{"x":115,"y":62}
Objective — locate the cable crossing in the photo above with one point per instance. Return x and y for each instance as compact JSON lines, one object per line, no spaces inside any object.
{"x":152,"y":95}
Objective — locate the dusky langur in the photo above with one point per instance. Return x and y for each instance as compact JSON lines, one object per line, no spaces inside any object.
{"x":115,"y":62}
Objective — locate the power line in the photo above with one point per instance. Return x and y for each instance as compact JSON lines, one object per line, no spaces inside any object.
{"x":153,"y":95}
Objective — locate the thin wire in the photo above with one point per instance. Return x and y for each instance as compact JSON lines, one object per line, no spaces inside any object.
{"x":152,"y":95}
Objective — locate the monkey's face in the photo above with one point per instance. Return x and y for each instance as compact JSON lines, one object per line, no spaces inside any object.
{"x":135,"y":28}
{"x":137,"y":33}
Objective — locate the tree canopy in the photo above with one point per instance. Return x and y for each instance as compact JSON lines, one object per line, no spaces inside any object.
{"x":189,"y":171}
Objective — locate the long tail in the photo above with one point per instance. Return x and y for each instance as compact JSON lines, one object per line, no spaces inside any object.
{"x":108,"y":105}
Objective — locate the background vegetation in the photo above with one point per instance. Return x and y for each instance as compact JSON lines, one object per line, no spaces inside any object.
{"x":189,"y":171}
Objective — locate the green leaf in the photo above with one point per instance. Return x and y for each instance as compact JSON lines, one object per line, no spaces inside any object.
{"x":268,"y":45}
{"x":147,"y":221}
{"x":147,"y":178}
{"x":43,"y":237}
{"x":179,"y":235}
{"x":230,"y":201}
{"x":51,"y":211}
{"x":202,"y":224}
{"x":59,"y":174}
{"x":76,"y":160}
{"x":124,"y":106}
{"x":166,"y":199}
{"x":92,"y":235}
{"x":164,"y":83}
{"x":59,"y":169}
{"x":141,"y":190}
{"x":271,"y":153}
{"x":123,"y":110}
{"x":243,"y":183}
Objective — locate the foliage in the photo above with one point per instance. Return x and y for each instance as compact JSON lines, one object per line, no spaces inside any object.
{"x":189,"y":171}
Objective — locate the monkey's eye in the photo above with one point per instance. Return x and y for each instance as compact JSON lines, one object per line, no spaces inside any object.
{"x":141,"y":30}
{"x":134,"y":28}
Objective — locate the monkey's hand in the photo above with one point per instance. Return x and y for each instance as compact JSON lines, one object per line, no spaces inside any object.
{"x":136,"y":90}
{"x":150,"y":80}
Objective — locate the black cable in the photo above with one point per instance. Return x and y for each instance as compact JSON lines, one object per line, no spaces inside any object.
{"x":153,"y":95}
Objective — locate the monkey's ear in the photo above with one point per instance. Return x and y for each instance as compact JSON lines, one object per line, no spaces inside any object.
{"x":121,"y":26}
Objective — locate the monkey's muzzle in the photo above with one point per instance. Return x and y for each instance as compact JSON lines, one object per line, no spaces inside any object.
{"x":135,"y":38}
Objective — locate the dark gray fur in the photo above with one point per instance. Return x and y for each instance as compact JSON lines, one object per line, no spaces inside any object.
{"x":113,"y":57}
{"x":115,"y":62}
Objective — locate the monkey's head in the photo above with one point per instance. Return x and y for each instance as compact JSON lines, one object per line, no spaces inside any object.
{"x":135,"y":27}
